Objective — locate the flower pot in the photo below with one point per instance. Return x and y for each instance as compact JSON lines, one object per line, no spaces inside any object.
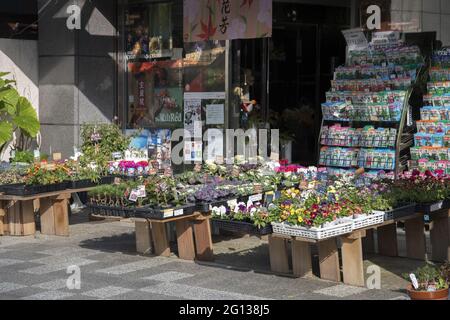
{"x":425,"y":295}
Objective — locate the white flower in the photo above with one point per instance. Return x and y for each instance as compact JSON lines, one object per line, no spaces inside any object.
{"x":223,"y":210}
{"x":253,"y":211}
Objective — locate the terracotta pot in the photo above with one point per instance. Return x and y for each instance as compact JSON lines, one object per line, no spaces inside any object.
{"x":425,"y":295}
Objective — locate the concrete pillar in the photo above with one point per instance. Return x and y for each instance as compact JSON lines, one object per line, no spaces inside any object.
{"x":77,"y":70}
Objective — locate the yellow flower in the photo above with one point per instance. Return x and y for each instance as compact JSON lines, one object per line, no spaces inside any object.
{"x":300,"y":219}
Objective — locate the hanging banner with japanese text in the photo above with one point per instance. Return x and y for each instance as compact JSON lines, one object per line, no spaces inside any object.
{"x":227,"y":19}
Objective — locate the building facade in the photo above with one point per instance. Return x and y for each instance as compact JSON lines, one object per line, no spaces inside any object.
{"x":127,"y":61}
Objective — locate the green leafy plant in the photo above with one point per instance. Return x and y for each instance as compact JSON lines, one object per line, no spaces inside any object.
{"x":23,"y":157}
{"x":16,"y":113}
{"x":100,"y":141}
{"x":430,"y":277}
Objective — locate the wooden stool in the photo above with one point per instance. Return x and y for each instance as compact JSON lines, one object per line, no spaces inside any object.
{"x":151,"y":236}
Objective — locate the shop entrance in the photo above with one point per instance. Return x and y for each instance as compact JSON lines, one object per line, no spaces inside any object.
{"x":294,"y":88}
{"x":298,"y":60}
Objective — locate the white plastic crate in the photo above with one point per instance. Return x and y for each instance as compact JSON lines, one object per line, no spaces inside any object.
{"x":312,"y":233}
{"x":367,"y":221}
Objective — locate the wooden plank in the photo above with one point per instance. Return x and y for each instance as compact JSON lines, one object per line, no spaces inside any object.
{"x":203,"y":240}
{"x":352,"y":261}
{"x":62,"y":193}
{"x":387,"y":240}
{"x":440,"y":238}
{"x":185,"y":240}
{"x":36,"y":204}
{"x":174,"y":219}
{"x":143,"y":237}
{"x":61,"y":214}
{"x":160,"y":241}
{"x":28,"y":225}
{"x":278,"y":253}
{"x":20,"y":218}
{"x":415,"y":239}
{"x":368,"y":242}
{"x":2,"y":217}
{"x":47,"y":217}
{"x":301,"y":259}
{"x":329,"y":260}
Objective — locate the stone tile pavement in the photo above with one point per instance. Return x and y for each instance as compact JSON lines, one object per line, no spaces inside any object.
{"x":36,"y":268}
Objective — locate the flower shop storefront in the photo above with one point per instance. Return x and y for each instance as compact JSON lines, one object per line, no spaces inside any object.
{"x":366,"y":187}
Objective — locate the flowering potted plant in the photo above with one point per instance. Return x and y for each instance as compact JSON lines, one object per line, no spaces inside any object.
{"x":429,"y":283}
{"x":41,"y":178}
{"x":243,"y":218}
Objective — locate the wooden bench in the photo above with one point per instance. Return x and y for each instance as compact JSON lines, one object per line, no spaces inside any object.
{"x":17,"y":213}
{"x":415,"y":237}
{"x":352,"y":259}
{"x":352,"y":248}
{"x":151,"y":237}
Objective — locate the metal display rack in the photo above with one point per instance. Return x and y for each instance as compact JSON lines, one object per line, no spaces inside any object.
{"x":404,"y":140}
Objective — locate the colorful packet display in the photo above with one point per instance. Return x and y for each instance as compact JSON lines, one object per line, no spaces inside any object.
{"x":432,"y":141}
{"x":431,"y":165}
{"x":397,"y":96}
{"x":338,"y":157}
{"x":383,"y":159}
{"x":439,"y":88}
{"x":438,"y":140}
{"x":441,"y":59}
{"x":368,"y":137}
{"x":429,"y":153}
{"x":433,"y":127}
{"x":372,"y":85}
{"x":438,"y":74}
{"x":436,"y":100}
{"x":434,"y":113}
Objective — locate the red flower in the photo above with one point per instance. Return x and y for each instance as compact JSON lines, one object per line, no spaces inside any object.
{"x":208,"y":30}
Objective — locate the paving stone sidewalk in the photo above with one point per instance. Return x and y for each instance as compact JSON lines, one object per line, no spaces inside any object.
{"x":36,"y":268}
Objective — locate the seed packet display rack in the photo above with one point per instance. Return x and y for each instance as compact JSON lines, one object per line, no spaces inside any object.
{"x":399,"y":145}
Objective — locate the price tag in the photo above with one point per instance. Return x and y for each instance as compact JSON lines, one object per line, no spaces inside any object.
{"x":414,"y":281}
{"x":141,"y":192}
{"x":178,"y":212}
{"x":256,"y":197}
{"x":168,"y":213}
{"x":133,"y":196}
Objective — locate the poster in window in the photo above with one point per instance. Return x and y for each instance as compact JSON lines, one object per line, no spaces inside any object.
{"x":204,"y":67}
{"x":156,"y":94}
{"x":149,"y":31}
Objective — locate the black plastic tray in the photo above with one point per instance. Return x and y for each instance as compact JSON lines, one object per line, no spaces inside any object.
{"x":429,"y":208}
{"x":162,"y":214}
{"x":203,"y":207}
{"x":108,"y":211}
{"x":400,"y":212}
{"x":28,"y":190}
{"x":241,"y":227}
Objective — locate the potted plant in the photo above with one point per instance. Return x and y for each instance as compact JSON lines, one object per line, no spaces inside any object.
{"x":429,"y":283}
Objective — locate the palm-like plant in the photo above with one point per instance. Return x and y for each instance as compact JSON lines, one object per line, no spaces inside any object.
{"x":16,"y":113}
